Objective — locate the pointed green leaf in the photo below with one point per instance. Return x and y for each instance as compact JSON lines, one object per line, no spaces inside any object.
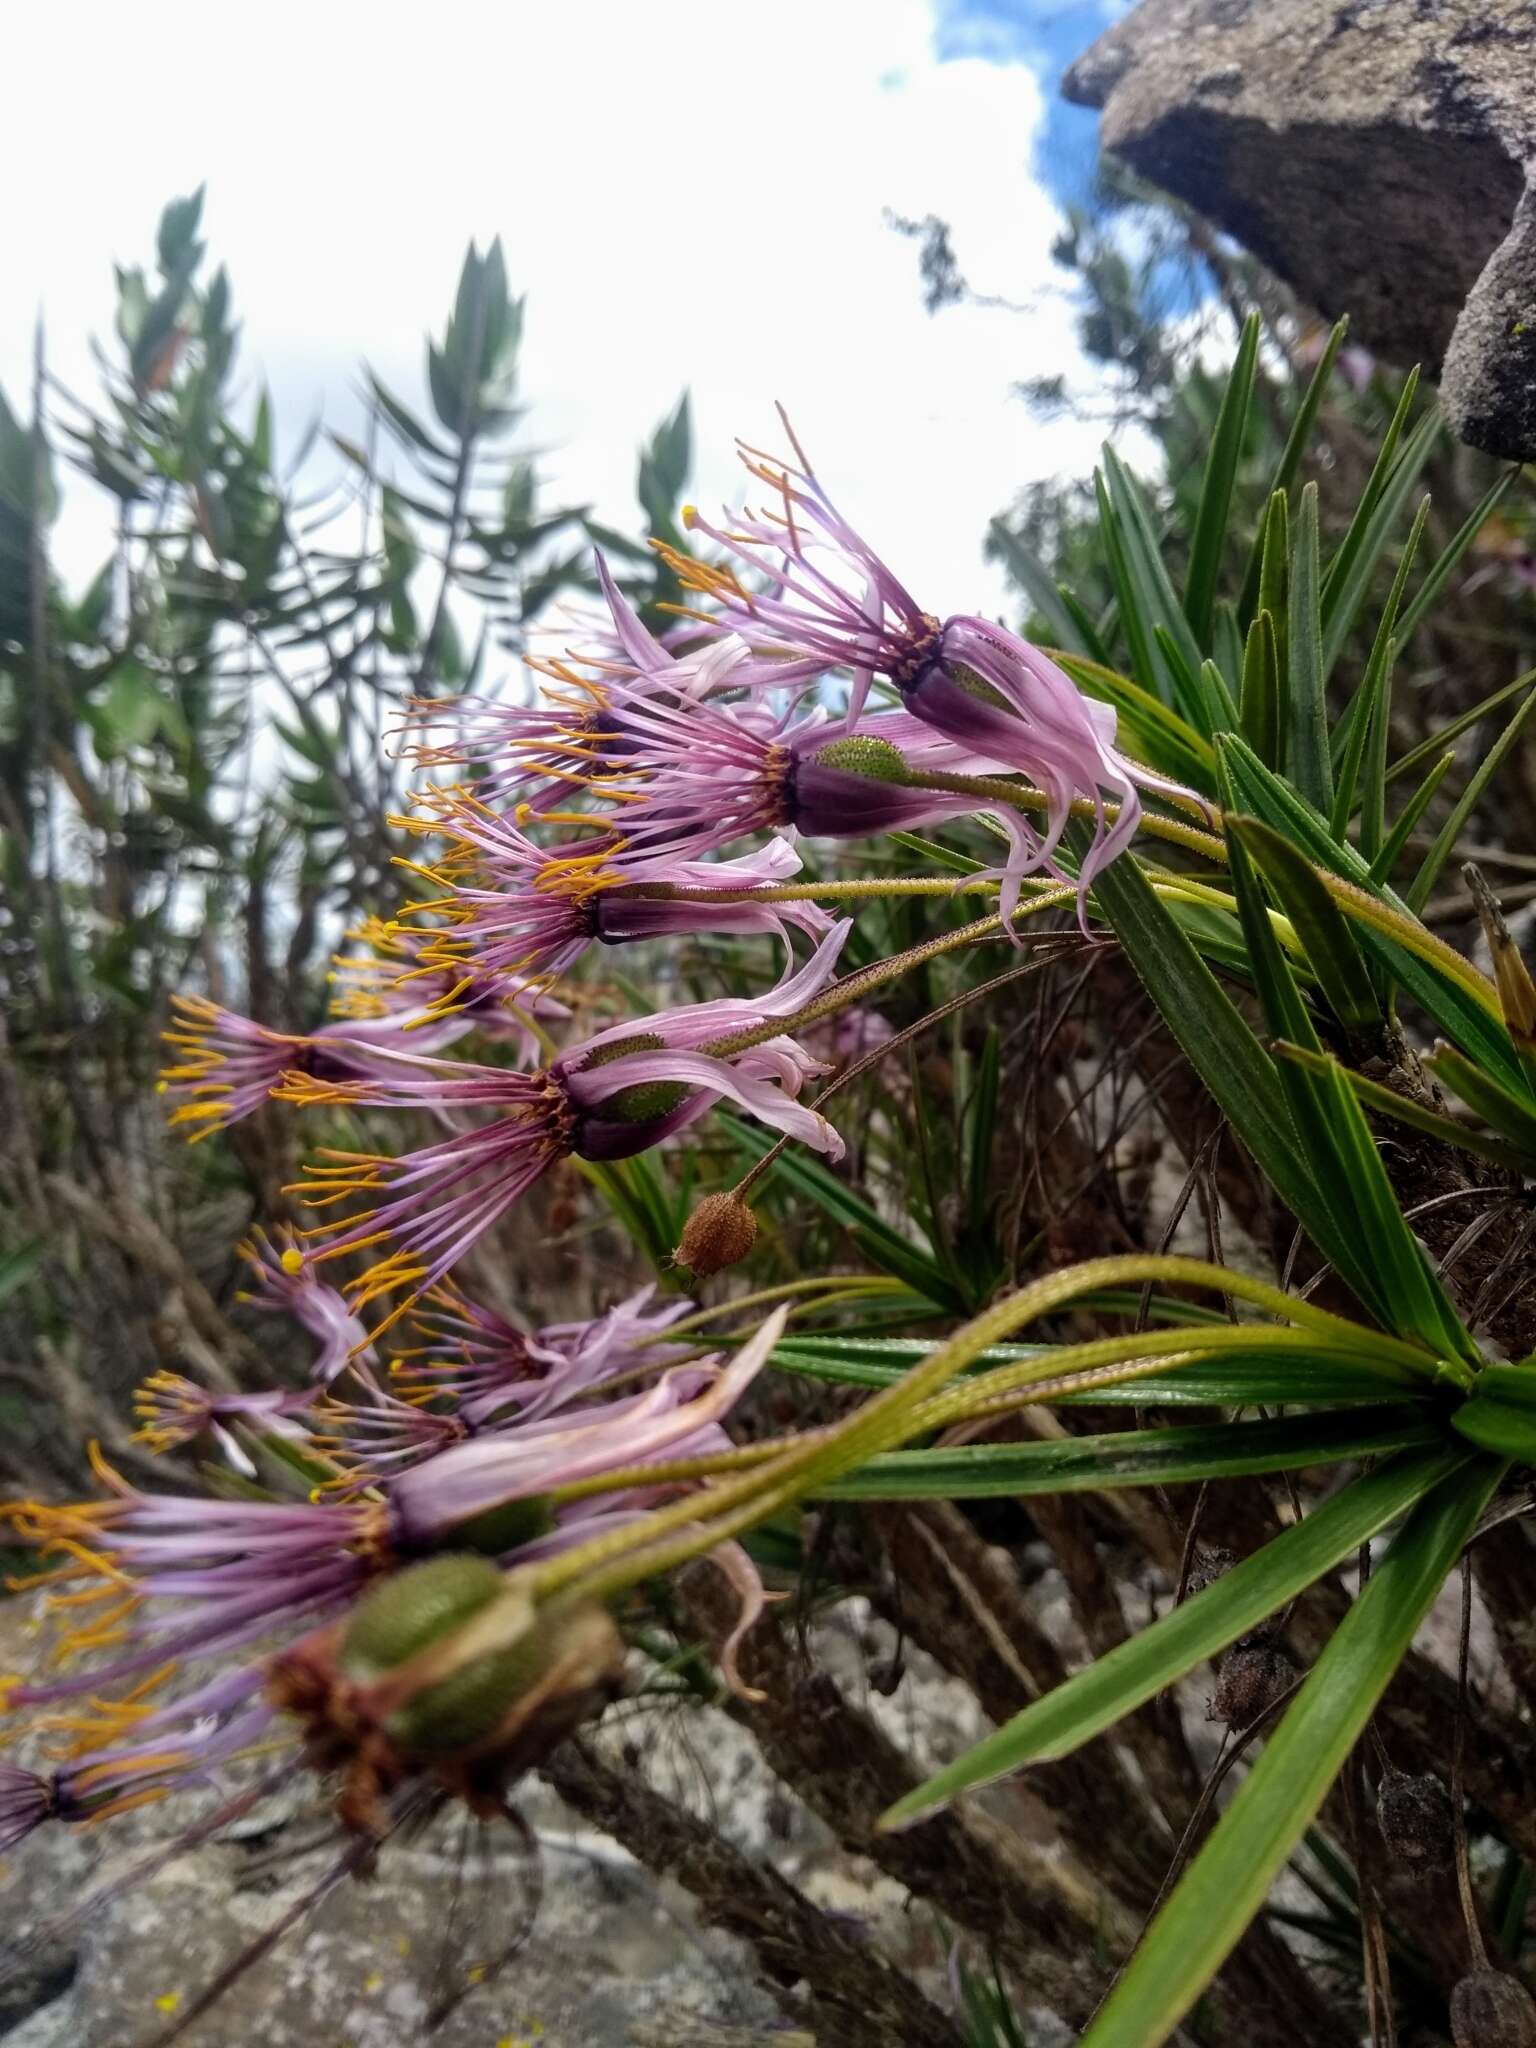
{"x":1180,"y":1455}
{"x":1290,"y":459}
{"x":1263,"y":702}
{"x":1159,"y":1655}
{"x":1307,"y":738}
{"x":1456,"y":1011}
{"x":1146,"y":594}
{"x":1445,"y":567}
{"x":1211,"y":518}
{"x":1324,"y":933}
{"x":1346,"y":589}
{"x":1386,"y":860}
{"x":1037,"y":583}
{"x":1417,"y":893}
{"x":1362,"y":720}
{"x":1387,"y":1102}
{"x":1226,"y":1884}
{"x":1453,"y":728}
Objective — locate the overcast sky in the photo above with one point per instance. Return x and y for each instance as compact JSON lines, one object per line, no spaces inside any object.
{"x":689,"y":194}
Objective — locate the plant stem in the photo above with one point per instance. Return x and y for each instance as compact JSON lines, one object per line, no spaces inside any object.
{"x":854,"y":987}
{"x":798,"y":892}
{"x":992,"y":789}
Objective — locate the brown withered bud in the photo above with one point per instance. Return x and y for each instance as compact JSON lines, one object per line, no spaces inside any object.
{"x":1211,"y":1561}
{"x":720,"y":1233}
{"x":1252,"y":1677}
{"x":1492,"y":2010}
{"x":1416,"y":1822}
{"x":1517,"y":991}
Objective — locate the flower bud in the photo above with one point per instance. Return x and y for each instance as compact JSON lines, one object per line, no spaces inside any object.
{"x":1490,"y":2009}
{"x":721,"y":1232}
{"x":1253,"y":1676}
{"x":1517,"y":991}
{"x":1416,"y":1822}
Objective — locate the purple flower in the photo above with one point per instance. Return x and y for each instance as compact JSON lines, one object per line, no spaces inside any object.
{"x":172,"y":1411}
{"x":229,"y":1065}
{"x":417,"y":979}
{"x":488,"y":1366}
{"x":830,"y":602}
{"x":523,"y":910}
{"x":678,"y":1417}
{"x":183,"y":1576}
{"x":577,"y":736}
{"x":615,"y":1095}
{"x":709,"y":773}
{"x":286,"y":1282}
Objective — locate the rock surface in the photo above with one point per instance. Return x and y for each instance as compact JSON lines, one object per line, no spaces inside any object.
{"x":615,"y":1958}
{"x":1375,"y":153}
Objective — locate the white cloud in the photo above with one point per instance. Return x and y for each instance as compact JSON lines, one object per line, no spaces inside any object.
{"x":690,"y":193}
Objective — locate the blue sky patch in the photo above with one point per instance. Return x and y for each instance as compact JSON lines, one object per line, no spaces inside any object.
{"x":1046,"y":35}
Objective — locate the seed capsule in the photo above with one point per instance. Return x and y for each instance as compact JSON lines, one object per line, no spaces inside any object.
{"x":1492,"y":2010}
{"x":414,"y":1608}
{"x":1252,"y":1677}
{"x":461,"y":1710}
{"x":721,"y":1232}
{"x":1416,"y":1822}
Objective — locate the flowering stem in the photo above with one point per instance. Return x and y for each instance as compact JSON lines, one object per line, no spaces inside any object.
{"x":685,"y":1528}
{"x":993,"y":789}
{"x":854,"y":987}
{"x":862,"y":1065}
{"x":1025,"y":1383}
{"x":840,"y":1283}
{"x":799,"y":892}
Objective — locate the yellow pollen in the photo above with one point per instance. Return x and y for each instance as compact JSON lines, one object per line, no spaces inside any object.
{"x":292,"y":1262}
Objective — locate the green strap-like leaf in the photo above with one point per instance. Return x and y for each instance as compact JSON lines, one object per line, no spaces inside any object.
{"x":1037,"y":583}
{"x":1175,"y":1456}
{"x":1454,"y":1009}
{"x":1146,"y":594}
{"x":1346,"y":592}
{"x":1322,"y":929}
{"x":1452,"y":728}
{"x":1368,"y":713}
{"x":1290,"y":459}
{"x":1307,"y":756}
{"x":1211,"y":519}
{"x":1417,"y":894}
{"x":1234,"y":1380}
{"x":1262,"y":703}
{"x":1226,"y":1884}
{"x":1465,"y":534}
{"x":1138,"y":1669}
{"x":1387,"y":1102}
